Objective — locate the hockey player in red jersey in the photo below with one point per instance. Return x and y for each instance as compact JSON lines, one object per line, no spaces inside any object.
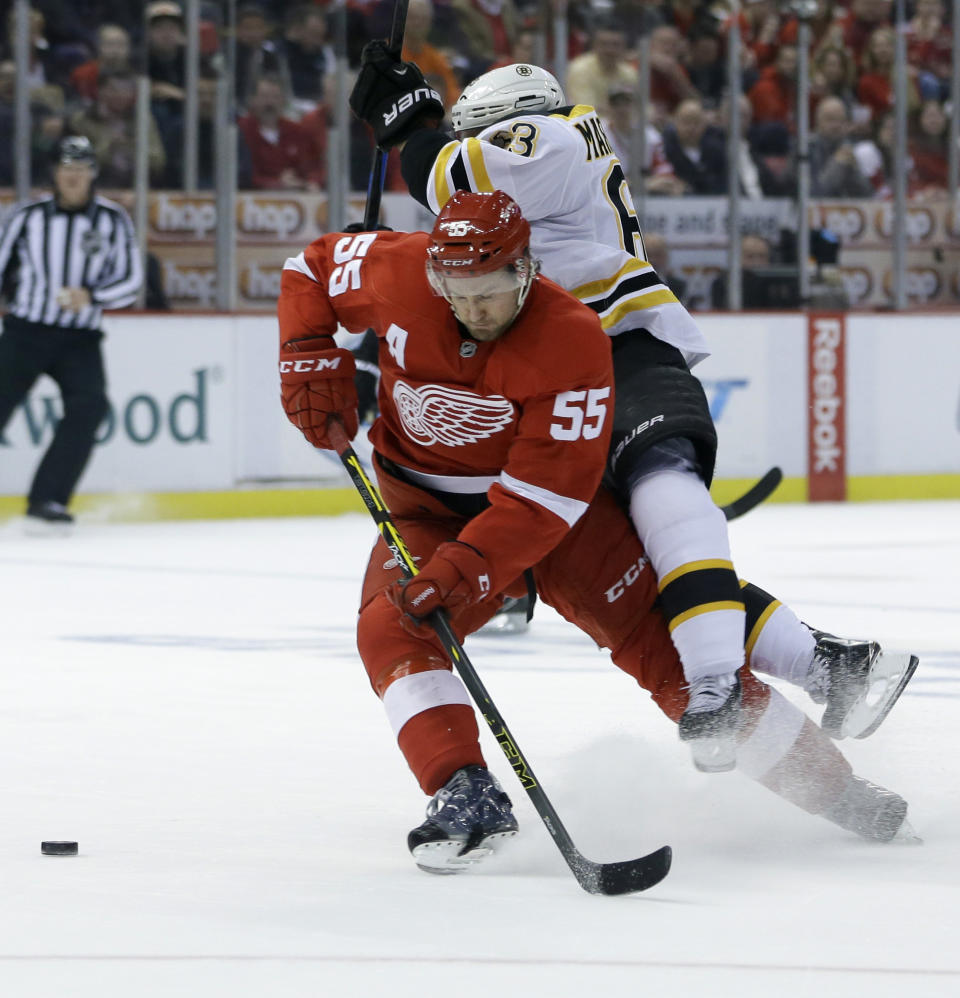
{"x":490,"y":447}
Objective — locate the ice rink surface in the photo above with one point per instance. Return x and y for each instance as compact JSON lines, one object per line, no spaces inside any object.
{"x":185,"y":700}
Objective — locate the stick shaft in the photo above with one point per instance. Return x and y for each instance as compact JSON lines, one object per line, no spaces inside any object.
{"x":378,"y":169}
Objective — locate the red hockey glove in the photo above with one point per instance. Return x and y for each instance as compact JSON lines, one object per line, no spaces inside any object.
{"x":457,"y":575}
{"x":316,"y":384}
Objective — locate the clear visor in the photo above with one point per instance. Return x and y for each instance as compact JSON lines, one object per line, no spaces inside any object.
{"x":479,"y":286}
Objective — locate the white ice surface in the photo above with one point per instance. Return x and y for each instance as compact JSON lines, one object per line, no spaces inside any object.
{"x":184,"y":699}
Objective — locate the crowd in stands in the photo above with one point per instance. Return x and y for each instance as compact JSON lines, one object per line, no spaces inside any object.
{"x":85,"y":57}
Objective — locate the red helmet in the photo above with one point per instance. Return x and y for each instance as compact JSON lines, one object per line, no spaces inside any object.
{"x":477,"y":234}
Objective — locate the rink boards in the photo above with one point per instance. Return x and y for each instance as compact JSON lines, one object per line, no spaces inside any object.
{"x":849,"y":406}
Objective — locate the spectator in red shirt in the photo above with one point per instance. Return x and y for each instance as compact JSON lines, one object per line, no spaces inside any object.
{"x":929,"y":48}
{"x":113,"y":56}
{"x":774,"y":95}
{"x":875,"y":88}
{"x":669,"y":81}
{"x":281,"y":150}
{"x":859,"y":23}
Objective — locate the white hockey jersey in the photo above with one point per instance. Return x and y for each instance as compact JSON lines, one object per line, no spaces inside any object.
{"x":562,"y":171}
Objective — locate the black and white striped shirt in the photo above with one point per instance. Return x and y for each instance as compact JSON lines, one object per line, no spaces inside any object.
{"x":44,"y":249}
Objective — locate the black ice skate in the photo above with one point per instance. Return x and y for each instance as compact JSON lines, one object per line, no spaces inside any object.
{"x":467,"y":820}
{"x":45,"y":518}
{"x":511,"y":618}
{"x":858,"y":682}
{"x":871,"y":812}
{"x":711,"y":721}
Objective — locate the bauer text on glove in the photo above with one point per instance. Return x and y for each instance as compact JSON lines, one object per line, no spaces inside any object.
{"x":392,"y":96}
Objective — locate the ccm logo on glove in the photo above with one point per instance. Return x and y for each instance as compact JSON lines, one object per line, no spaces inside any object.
{"x":317,"y":385}
{"x":309,"y":364}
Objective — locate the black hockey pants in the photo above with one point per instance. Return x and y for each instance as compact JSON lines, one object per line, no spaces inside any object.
{"x":73,"y":359}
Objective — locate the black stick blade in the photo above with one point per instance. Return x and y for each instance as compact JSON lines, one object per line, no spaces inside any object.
{"x":754,"y":495}
{"x":624,"y":878}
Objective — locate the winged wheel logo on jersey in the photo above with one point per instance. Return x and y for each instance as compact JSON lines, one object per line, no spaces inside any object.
{"x":435,"y":414}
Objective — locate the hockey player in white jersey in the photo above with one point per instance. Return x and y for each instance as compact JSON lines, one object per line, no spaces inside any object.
{"x":514,"y":132}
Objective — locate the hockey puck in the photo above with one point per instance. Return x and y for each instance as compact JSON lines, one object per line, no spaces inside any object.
{"x":58,"y":848}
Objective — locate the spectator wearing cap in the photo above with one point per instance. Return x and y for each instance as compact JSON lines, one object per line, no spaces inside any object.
{"x":605,"y":65}
{"x":281,"y":150}
{"x":64,"y":257}
{"x":166,"y":52}
{"x":166,"y":67}
{"x":113,"y":56}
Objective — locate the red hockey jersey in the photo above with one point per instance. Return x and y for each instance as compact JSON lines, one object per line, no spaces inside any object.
{"x":525,"y":418}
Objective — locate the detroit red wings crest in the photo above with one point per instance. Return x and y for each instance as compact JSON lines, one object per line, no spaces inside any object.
{"x":435,"y":414}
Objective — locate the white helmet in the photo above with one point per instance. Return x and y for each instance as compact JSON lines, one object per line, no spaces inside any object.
{"x":505,"y":93}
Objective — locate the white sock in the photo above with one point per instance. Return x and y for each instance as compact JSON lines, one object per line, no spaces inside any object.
{"x":784,"y":647}
{"x":679,"y":524}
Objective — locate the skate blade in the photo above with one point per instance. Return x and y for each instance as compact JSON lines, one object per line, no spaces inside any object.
{"x":505,"y":623}
{"x":33,"y":526}
{"x":714,"y":755}
{"x":888,"y":678}
{"x":906,"y":835}
{"x":445,"y":857}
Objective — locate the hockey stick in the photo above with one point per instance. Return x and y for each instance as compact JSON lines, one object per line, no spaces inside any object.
{"x":595,"y":878}
{"x":754,"y":495}
{"x":371,"y":213}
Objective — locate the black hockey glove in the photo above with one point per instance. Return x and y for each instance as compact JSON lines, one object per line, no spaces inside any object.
{"x":392,"y":96}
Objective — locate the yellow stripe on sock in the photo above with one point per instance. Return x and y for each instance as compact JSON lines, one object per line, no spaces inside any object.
{"x":694,"y":566}
{"x":682,"y":618}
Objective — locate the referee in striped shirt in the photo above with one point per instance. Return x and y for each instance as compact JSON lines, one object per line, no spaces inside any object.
{"x":64,"y":258}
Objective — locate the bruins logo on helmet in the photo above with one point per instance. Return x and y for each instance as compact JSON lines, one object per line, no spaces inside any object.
{"x":524,"y":70}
